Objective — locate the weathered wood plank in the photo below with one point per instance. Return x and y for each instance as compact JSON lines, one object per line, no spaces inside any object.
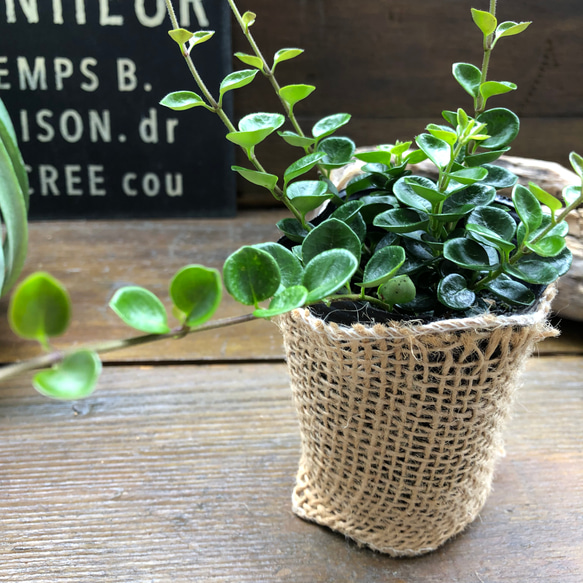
{"x":184,"y":474}
{"x":93,"y":259}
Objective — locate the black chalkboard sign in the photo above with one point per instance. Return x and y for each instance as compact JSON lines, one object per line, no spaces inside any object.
{"x":82,"y":80}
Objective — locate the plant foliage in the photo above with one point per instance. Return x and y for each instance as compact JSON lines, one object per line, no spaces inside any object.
{"x":413,"y":246}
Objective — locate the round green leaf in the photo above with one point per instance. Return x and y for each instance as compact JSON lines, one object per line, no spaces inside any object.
{"x":491,"y":88}
{"x":438,"y":151}
{"x":40,"y":308}
{"x":289,"y":265}
{"x":180,"y":35}
{"x":571,"y":194}
{"x":338,"y":152}
{"x":196,"y":292}
{"x":251,"y":275}
{"x":469,"y":176}
{"x":292,"y":229}
{"x":415,"y":157}
{"x":254,"y":128}
{"x":545,"y":198}
{"x":250,"y":60}
{"x":286,"y":300}
{"x":549,"y":246}
{"x":511,"y":28}
{"x":331,"y":234}
{"x":201,"y":36}
{"x":467,"y":199}
{"x":405,"y":194}
{"x":328,"y":125}
{"x":291,"y":94}
{"x":425,"y":188}
{"x":376,"y":157}
{"x":74,"y":378}
{"x":468,"y":254}
{"x":383,"y":265}
{"x":140,"y":309}
{"x":248,"y":19}
{"x":484,"y":157}
{"x":263,"y":179}
{"x":328,"y":272}
{"x":181,"y":100}
{"x":533,"y":270}
{"x":496,"y":220}
{"x":443,"y":133}
{"x":576,"y":162}
{"x":502,"y":125}
{"x":307,"y":195}
{"x":468,"y":76}
{"x":301,"y":166}
{"x":285,"y":55}
{"x":485,"y":21}
{"x":499,"y":177}
{"x":294,"y":139}
{"x":401,"y":220}
{"x":453,"y":292}
{"x":527,"y":207}
{"x":236,"y":80}
{"x":511,"y":291}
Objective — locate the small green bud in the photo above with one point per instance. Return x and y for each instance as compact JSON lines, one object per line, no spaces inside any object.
{"x":399,"y":290}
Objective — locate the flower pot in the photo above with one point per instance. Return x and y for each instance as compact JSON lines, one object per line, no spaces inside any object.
{"x":401,"y":424}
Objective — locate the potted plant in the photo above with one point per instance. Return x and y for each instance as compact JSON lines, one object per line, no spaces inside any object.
{"x":408,"y":305}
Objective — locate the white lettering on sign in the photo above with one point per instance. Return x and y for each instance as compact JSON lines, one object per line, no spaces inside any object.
{"x":151,"y":184}
{"x":126,"y":75}
{"x":151,"y":19}
{"x":105,"y":18}
{"x":4,"y":73}
{"x":35,"y":79}
{"x":199,"y":12}
{"x":72,"y":180}
{"x":149,"y":128}
{"x":70,"y":125}
{"x":36,"y":74}
{"x":77,"y":180}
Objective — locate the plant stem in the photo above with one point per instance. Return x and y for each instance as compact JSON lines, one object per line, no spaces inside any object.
{"x":357,"y":298}
{"x":524,"y":250}
{"x":266,"y":69}
{"x":480,"y":102}
{"x":218,"y":109}
{"x":57,"y":356}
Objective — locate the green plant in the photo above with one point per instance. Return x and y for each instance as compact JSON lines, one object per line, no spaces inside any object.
{"x":13,"y":204}
{"x":409,"y":245}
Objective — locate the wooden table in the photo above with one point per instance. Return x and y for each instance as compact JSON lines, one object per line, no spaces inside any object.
{"x":180,"y":466}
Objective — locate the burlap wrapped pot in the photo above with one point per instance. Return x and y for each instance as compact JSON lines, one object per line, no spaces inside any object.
{"x":401,"y":424}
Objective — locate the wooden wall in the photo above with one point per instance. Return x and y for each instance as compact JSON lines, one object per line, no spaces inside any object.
{"x":388,"y":63}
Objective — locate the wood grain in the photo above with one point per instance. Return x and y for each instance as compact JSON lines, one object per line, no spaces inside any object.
{"x":182,"y":474}
{"x":95,"y":258}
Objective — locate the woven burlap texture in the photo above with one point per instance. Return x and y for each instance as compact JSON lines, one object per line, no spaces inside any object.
{"x":401,"y":425}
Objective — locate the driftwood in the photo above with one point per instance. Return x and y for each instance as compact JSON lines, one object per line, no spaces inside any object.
{"x":553,"y":178}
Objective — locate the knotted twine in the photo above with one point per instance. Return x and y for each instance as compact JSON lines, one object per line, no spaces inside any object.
{"x":401,"y":424}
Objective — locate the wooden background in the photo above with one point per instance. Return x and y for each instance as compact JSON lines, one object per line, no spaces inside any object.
{"x":388,"y":63}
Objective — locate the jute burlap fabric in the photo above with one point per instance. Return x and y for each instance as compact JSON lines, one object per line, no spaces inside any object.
{"x":401,"y":425}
